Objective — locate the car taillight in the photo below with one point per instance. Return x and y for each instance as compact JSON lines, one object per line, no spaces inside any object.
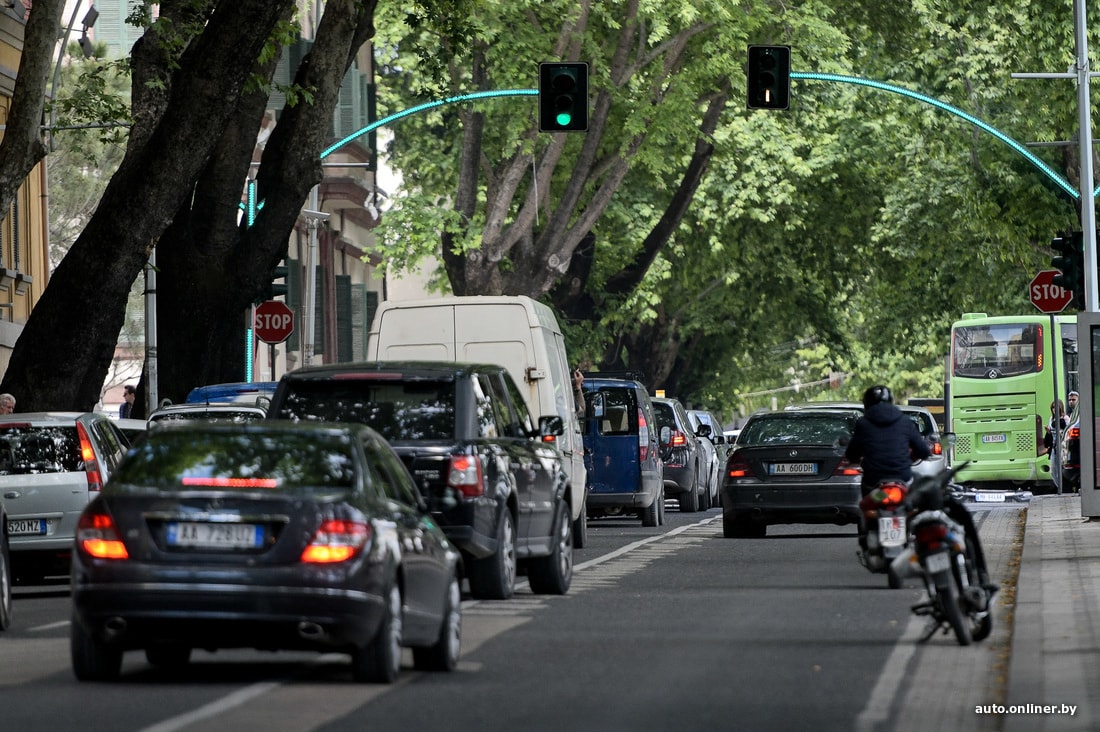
{"x":679,"y":439}
{"x":1074,"y":433}
{"x":738,"y":467}
{"x":97,"y":536}
{"x":937,"y":448}
{"x":87,"y":454}
{"x":643,"y":437}
{"x":337,"y":541}
{"x":846,"y":467}
{"x":464,"y":475}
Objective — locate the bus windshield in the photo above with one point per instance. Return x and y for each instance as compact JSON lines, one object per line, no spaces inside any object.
{"x":993,"y":351}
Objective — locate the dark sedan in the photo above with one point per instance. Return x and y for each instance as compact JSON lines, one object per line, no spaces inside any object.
{"x":789,"y":467}
{"x":267,"y":535}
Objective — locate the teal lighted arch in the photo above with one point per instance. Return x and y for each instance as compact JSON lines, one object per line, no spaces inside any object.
{"x":1017,"y":147}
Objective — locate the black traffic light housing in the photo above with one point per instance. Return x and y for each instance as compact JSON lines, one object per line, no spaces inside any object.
{"x":274,"y":287}
{"x":769,"y":82}
{"x":563,"y":97}
{"x":1070,"y":262}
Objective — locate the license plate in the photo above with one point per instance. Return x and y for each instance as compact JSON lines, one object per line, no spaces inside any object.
{"x":27,"y":527}
{"x":939,"y":562}
{"x":891,"y":530}
{"x":792,"y":469}
{"x":987,"y":439}
{"x":989,"y":497}
{"x":215,"y":535}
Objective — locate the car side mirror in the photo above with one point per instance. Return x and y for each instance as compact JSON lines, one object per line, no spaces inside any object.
{"x":551,"y":425}
{"x":948,"y":438}
{"x":666,"y":435}
{"x":703,"y":430}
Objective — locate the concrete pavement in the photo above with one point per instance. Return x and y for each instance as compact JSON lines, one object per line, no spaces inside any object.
{"x":1055,"y":644}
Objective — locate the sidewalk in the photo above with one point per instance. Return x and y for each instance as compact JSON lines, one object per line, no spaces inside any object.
{"x":1055,"y":656}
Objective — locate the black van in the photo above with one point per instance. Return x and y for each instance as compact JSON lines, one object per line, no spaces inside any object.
{"x":622,"y":453}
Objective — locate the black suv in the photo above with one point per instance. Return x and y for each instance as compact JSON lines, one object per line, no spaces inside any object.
{"x":491,"y":482}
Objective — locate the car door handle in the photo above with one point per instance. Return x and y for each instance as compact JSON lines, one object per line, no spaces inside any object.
{"x":12,"y":494}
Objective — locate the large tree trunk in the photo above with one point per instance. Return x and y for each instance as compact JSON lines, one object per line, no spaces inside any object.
{"x":63,"y":355}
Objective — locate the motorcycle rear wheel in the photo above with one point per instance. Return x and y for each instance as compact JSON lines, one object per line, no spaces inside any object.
{"x":947,"y":595}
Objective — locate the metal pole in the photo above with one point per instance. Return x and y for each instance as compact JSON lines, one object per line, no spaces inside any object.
{"x":1088,"y":202}
{"x":57,"y":71}
{"x":311,"y":278}
{"x":152,"y":391}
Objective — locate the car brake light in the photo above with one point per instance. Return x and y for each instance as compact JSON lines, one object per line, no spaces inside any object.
{"x":886,"y":495}
{"x":678,"y":439}
{"x":643,"y":437}
{"x":97,"y":536}
{"x":337,"y":541}
{"x":738,"y":467}
{"x":846,"y":467}
{"x":87,"y":454}
{"x":465,"y":476}
{"x":937,"y":448}
{"x":1074,"y":433}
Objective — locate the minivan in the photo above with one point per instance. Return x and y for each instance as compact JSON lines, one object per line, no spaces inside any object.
{"x":622,"y":453}
{"x":516,"y":332}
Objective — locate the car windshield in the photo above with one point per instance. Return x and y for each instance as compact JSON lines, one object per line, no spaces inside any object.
{"x":187,"y":459}
{"x":399,"y":410}
{"x":795,"y":429}
{"x":666,"y":415}
{"x":48,"y":449}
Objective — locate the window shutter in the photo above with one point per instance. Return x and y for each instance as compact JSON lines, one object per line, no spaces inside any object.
{"x":343,"y":319}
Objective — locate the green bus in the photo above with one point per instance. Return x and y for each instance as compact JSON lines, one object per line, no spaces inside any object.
{"x":1001,"y":379}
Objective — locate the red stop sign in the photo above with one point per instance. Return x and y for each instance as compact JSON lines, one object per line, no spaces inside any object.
{"x":1047,"y":296}
{"x":274,"y":321}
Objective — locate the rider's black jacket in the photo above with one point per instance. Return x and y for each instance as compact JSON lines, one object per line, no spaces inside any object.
{"x":886,"y":442}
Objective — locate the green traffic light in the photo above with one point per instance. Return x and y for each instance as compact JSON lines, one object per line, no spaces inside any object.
{"x":563,"y":118}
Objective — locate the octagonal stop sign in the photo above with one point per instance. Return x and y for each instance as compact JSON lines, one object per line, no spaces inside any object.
{"x":274,"y":321}
{"x":1047,"y":296}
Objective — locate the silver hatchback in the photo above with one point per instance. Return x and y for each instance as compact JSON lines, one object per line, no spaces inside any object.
{"x":51,"y":465}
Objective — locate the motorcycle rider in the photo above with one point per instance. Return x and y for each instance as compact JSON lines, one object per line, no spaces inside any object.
{"x":886,"y":442}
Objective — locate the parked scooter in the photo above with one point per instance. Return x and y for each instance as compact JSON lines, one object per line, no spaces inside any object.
{"x":884,"y":511}
{"x":945,"y":553}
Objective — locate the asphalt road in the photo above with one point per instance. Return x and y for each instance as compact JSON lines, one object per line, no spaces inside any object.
{"x":669,"y":628}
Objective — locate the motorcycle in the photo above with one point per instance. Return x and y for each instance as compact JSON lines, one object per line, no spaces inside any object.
{"x":945,"y":553}
{"x":884,"y":511}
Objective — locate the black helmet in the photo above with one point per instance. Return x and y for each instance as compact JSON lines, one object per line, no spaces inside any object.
{"x":877,"y":394}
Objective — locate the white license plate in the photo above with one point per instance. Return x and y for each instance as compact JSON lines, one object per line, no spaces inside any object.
{"x":792,"y":469}
{"x":27,"y":527}
{"x":987,"y":439}
{"x":215,"y":535}
{"x":891,"y":530}
{"x":937,"y":562}
{"x":989,"y":497}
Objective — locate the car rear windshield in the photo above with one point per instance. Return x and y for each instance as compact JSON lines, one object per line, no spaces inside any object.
{"x":796,"y":430}
{"x":398,"y":410}
{"x":181,"y":460}
{"x":1010,"y":349}
{"x":620,"y":411}
{"x":49,"y":449}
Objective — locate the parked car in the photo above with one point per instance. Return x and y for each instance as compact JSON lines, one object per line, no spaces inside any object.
{"x":515,"y":331}
{"x":51,"y":465}
{"x":223,"y":412}
{"x":789,"y":467}
{"x":684,"y":469}
{"x":257,"y":393}
{"x":5,"y":571}
{"x":622,"y":453}
{"x":134,"y":429}
{"x":490,"y":479}
{"x":713,"y":443}
{"x":266,"y":535}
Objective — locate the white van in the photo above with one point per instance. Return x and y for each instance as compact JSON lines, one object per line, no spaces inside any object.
{"x":516,"y":332}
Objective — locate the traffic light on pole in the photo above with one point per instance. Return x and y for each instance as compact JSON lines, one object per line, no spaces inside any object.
{"x":563,"y":97}
{"x":769,"y":82}
{"x":1070,"y":263}
{"x":276,"y":285}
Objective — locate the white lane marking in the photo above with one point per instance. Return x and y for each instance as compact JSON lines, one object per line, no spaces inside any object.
{"x":892,"y":679}
{"x":50,"y":626}
{"x":219,"y":706}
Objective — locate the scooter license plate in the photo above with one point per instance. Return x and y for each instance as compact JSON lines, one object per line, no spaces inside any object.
{"x":939,"y":562}
{"x":891,"y":530}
